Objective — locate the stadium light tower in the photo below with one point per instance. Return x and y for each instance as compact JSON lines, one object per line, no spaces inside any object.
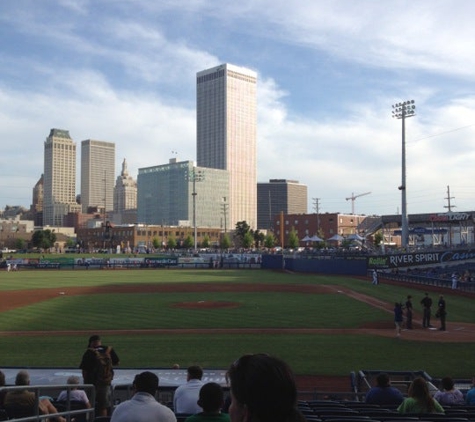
{"x":402,"y":111}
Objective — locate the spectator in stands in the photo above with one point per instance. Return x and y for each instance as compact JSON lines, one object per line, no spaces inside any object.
{"x":419,"y":399}
{"x":23,"y":401}
{"x":74,"y":393}
{"x":211,"y":400}
{"x":143,"y":407}
{"x":408,"y":305}
{"x":441,"y":312}
{"x":426,"y":303}
{"x":2,"y":384}
{"x":470,"y":397}
{"x":262,"y":389}
{"x":398,"y":318}
{"x":185,"y":399}
{"x":383,"y":393}
{"x":97,"y":368}
{"x":449,"y":394}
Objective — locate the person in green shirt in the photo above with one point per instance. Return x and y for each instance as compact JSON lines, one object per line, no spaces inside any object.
{"x":211,"y":400}
{"x":419,"y":400}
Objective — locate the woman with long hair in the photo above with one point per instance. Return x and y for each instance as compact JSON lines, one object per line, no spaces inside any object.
{"x":420,"y":400}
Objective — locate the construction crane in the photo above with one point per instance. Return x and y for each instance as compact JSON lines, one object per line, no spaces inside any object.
{"x":353,"y":197}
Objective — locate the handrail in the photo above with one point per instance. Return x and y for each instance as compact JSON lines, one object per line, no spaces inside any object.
{"x":42,"y":390}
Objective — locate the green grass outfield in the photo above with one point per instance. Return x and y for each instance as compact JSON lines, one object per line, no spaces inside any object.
{"x":308,"y":354}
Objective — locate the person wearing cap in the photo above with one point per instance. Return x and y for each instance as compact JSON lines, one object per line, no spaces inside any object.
{"x":143,"y":407}
{"x":94,"y":363}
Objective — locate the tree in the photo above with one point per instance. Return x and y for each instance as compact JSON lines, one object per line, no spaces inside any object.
{"x":258,"y":238}
{"x":242,"y":228}
{"x":269,"y":241}
{"x":171,"y":242}
{"x":205,"y":242}
{"x":156,"y":243}
{"x":188,"y":242}
{"x":43,"y":239}
{"x":20,"y":244}
{"x":293,"y":240}
{"x":225,"y":241}
{"x":378,"y":238}
{"x":247,"y":240}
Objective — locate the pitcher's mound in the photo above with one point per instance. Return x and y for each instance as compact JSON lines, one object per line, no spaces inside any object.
{"x":206,"y":304}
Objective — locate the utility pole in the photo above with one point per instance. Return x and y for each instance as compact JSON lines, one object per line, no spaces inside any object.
{"x":316,"y":207}
{"x":449,"y":207}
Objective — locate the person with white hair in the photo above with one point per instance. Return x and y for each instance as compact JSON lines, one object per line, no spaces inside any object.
{"x":75,"y":395}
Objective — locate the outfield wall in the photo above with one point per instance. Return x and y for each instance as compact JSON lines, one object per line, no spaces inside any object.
{"x":345,"y":265}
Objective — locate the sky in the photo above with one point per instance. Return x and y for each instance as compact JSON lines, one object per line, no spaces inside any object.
{"x":329,"y":71}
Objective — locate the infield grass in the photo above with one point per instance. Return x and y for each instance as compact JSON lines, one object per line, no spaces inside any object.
{"x":321,"y":354}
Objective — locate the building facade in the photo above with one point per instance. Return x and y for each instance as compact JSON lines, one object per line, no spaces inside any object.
{"x":324,"y":225}
{"x":59,"y":196}
{"x":279,"y":195}
{"x":165,"y":195}
{"x":226,"y":106}
{"x":133,"y":236}
{"x":97,"y":175}
{"x":125,"y":197}
{"x":37,"y":203}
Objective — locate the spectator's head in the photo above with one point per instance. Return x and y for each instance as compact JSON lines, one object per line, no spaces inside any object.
{"x":211,"y":398}
{"x":194,"y":372}
{"x":262,"y":389}
{"x":382,"y":380}
{"x":2,"y":379}
{"x":447,"y":383}
{"x":94,"y":341}
{"x":146,"y":382}
{"x":418,"y":388}
{"x":22,"y":378}
{"x":409,"y":297}
{"x":73,"y":380}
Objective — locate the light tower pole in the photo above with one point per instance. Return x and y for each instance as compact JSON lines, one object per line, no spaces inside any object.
{"x":195,"y":176}
{"x":401,"y":111}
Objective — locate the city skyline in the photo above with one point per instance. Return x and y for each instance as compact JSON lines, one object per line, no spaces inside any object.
{"x":328,"y":73}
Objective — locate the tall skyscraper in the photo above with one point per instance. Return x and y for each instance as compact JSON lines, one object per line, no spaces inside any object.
{"x":59,"y":177}
{"x":125,"y":197}
{"x":226,"y":108}
{"x":97,"y":175}
{"x":279,"y":195}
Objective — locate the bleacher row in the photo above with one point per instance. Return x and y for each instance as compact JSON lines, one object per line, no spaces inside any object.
{"x":356,"y":411}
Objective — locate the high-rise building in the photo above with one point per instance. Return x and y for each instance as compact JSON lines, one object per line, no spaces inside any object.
{"x":37,"y":204}
{"x":125,"y":197}
{"x":59,"y":177}
{"x":226,"y":108}
{"x":279,"y":195}
{"x":97,"y":175}
{"x":165,"y":195}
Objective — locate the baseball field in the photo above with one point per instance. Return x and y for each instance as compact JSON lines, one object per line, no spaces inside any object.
{"x":324,"y":326}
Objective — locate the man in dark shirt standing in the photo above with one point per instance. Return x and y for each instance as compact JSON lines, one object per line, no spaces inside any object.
{"x":96,"y":364}
{"x":441,"y":312}
{"x":426,"y":303}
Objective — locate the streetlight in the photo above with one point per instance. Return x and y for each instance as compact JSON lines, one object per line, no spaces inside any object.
{"x":401,"y":111}
{"x":195,"y":176}
{"x":224,"y":210}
